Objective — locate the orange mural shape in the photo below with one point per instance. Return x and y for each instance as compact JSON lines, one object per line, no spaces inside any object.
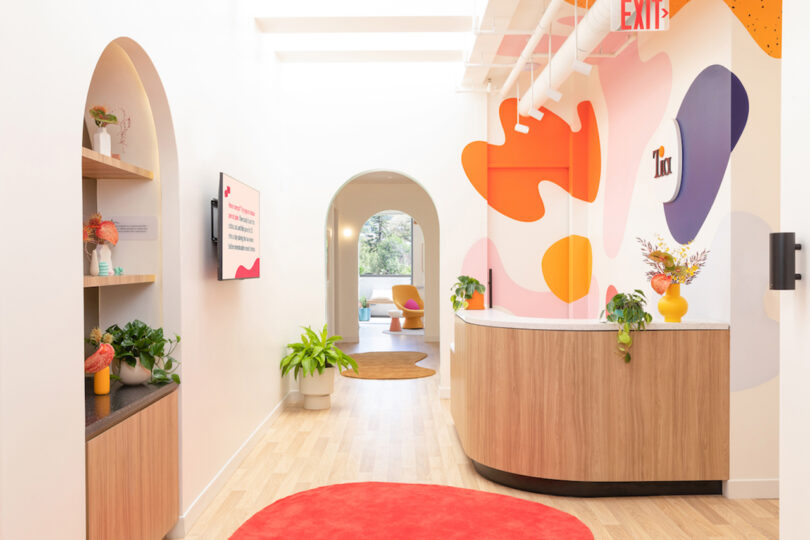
{"x":567,"y":267}
{"x":508,"y":175}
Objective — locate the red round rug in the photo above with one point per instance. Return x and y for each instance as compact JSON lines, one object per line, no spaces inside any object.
{"x":388,"y":511}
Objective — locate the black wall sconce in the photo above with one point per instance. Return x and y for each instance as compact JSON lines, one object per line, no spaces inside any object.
{"x":783,"y":261}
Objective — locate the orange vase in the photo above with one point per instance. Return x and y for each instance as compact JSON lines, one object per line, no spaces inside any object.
{"x":476,"y":302}
{"x":672,"y":305}
{"x":101,"y":382}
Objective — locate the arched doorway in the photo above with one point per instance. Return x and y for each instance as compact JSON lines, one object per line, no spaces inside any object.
{"x":366,"y":195}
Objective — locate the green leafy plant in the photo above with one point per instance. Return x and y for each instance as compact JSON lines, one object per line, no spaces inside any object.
{"x":102,"y":117}
{"x":627,"y":309}
{"x":315,"y":352}
{"x":138,"y":341}
{"x":463,"y":290}
{"x":363,"y":302}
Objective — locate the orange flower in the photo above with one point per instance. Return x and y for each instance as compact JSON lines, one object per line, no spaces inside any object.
{"x":107,"y":232}
{"x":660,"y":283}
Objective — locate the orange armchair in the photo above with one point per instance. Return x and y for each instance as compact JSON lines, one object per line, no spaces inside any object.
{"x":413,"y":317}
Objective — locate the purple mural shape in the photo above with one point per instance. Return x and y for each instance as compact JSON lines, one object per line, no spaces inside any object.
{"x":712,"y":118}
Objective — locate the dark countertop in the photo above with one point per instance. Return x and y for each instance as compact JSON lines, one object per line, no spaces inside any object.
{"x":103,"y":412}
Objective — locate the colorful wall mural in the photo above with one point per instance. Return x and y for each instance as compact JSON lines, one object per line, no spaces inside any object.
{"x":568,"y":199}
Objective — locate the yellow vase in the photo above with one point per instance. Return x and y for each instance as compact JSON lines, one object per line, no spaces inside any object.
{"x":101,"y":382}
{"x":672,"y":305}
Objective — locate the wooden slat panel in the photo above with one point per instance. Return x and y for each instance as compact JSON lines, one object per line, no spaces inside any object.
{"x":114,"y":506}
{"x":563,"y":405}
{"x":95,"y":165}
{"x":159,"y":472}
{"x":126,"y":279}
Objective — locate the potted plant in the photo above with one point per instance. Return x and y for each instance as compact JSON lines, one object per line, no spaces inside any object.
{"x":468,"y":293}
{"x":315,"y":357}
{"x":144,"y":353}
{"x":102,"y":143}
{"x":627,"y":309}
{"x":364,"y":311}
{"x":669,"y":269}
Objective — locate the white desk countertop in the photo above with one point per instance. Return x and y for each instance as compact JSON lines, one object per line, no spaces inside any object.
{"x":502,"y":319}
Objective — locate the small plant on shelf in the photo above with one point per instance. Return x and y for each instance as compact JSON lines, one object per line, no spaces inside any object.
{"x":315,"y":352}
{"x":627,"y":309}
{"x":137,"y":342}
{"x":102,"y":117}
{"x":463,"y":290}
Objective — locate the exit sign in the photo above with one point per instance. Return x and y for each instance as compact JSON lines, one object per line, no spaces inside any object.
{"x":639,"y":15}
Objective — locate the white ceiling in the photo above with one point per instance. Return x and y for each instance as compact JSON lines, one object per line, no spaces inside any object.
{"x":487,"y":35}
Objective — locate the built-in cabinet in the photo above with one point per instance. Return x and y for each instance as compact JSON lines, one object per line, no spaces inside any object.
{"x":132,"y":475}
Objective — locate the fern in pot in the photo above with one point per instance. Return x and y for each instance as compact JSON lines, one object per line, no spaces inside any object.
{"x":315,"y":358}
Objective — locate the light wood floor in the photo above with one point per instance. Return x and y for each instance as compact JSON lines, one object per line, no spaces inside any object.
{"x":399,"y":431}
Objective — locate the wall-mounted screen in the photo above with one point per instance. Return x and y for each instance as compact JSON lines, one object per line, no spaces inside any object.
{"x":239,"y":246}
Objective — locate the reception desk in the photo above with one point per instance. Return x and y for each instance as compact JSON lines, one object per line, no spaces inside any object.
{"x":548,"y":405}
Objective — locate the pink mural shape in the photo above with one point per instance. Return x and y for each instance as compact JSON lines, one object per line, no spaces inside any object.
{"x":611,"y":292}
{"x":519,"y":300}
{"x":636,"y":94}
{"x":252,"y":272}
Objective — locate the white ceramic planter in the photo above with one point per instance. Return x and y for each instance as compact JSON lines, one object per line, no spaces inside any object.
{"x":102,"y":142}
{"x":317,"y":388}
{"x":132,"y":376}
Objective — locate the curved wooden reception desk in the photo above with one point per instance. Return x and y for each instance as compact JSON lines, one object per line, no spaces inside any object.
{"x":549,"y":406}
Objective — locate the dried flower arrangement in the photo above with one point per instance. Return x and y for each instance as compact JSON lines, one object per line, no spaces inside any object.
{"x":98,"y":231}
{"x":102,"y":117}
{"x":668,"y":266}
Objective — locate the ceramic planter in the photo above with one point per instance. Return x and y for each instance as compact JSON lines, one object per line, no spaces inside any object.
{"x":133,"y":376}
{"x":317,"y":388}
{"x":365,"y":313}
{"x":102,"y":142}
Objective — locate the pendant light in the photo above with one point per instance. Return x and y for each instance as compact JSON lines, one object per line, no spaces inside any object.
{"x":551,"y":92}
{"x":579,"y":66}
{"x":534,"y":113}
{"x":520,"y":128}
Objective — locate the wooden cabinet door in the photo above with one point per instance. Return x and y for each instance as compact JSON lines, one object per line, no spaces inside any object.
{"x":132,"y":476}
{"x":114,"y":505}
{"x":158,"y":480}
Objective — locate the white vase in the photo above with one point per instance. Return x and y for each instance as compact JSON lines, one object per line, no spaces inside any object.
{"x":133,"y":375}
{"x":102,"y":143}
{"x":94,"y":263}
{"x":104,"y":256}
{"x":317,"y":388}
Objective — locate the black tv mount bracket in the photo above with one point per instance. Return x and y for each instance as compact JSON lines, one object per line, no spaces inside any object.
{"x":214,"y":207}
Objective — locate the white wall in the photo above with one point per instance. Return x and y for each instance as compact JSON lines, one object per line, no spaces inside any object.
{"x":794,"y":429}
{"x":209,"y":58}
{"x":343,"y":119}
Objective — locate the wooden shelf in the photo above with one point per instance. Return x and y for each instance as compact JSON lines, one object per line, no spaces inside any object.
{"x":95,"y":165}
{"x":126,"y":279}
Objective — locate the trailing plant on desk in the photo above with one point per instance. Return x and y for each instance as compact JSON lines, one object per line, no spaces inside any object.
{"x":627,"y":309}
{"x":315,"y":352}
{"x":138,"y":342}
{"x":463,"y":290}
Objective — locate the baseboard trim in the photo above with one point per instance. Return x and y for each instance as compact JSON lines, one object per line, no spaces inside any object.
{"x":751,"y":488}
{"x":444,"y":392}
{"x":186,"y":520}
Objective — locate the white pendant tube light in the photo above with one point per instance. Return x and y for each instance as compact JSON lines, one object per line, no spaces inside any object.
{"x":534,"y":113}
{"x":594,"y":28}
{"x":520,"y":128}
{"x":545,"y":23}
{"x":579,"y":66}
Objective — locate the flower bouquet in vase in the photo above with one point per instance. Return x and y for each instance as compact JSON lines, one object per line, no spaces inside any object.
{"x":669,"y":269}
{"x":102,"y":234}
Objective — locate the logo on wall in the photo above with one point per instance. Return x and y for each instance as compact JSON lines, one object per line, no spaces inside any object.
{"x":639,"y":15}
{"x":664,"y":162}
